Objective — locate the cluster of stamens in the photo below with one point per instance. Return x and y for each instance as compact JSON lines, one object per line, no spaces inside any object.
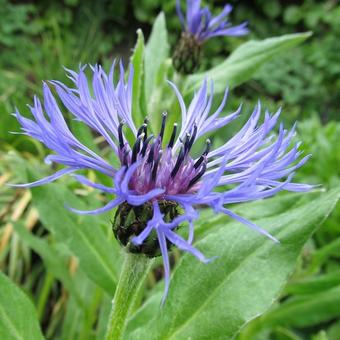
{"x":160,"y":167}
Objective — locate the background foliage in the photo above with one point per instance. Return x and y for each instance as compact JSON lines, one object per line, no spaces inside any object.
{"x":67,"y":265}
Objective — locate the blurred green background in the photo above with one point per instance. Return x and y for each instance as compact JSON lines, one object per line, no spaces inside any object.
{"x":37,"y":38}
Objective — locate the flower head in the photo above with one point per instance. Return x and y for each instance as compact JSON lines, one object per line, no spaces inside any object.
{"x":159,"y":178}
{"x":198,"y":26}
{"x":200,"y":23}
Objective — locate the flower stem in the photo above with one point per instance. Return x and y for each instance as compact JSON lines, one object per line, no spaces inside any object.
{"x":134,"y":271}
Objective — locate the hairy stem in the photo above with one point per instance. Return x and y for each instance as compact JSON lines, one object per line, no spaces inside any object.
{"x":134,"y":271}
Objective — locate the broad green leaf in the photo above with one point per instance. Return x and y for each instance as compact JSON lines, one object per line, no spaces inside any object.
{"x":146,"y":312}
{"x":138,"y":89}
{"x":156,"y":52}
{"x":216,"y":300}
{"x":254,"y":210}
{"x":18,"y":317}
{"x":83,"y":235}
{"x":245,"y":61}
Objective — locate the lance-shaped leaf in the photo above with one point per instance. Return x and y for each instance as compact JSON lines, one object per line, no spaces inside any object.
{"x":245,"y":61}
{"x":138,"y":88}
{"x":156,"y":52}
{"x":216,"y":300}
{"x":18,"y":317}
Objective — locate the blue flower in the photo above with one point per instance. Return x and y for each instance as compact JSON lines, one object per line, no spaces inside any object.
{"x":201,"y":24}
{"x":198,"y":26}
{"x":253,"y":164}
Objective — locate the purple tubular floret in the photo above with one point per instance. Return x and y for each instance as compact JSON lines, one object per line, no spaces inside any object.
{"x":202,"y":25}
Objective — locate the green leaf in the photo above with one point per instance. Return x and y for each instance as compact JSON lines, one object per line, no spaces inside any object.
{"x":322,"y":254}
{"x":311,"y":285}
{"x":78,"y":323}
{"x":254,"y":210}
{"x":162,"y":100}
{"x":245,"y":61}
{"x":146,"y":312}
{"x":103,"y":317}
{"x":18,"y":317}
{"x":307,"y":310}
{"x":334,"y":331}
{"x":216,"y":300}
{"x":83,"y":235}
{"x":156,"y":52}
{"x":138,"y":89}
{"x":53,"y":259}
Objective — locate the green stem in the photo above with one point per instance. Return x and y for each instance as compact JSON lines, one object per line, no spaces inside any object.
{"x":134,"y":271}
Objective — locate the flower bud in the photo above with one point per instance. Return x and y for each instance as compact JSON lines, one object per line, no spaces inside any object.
{"x":187,"y":55}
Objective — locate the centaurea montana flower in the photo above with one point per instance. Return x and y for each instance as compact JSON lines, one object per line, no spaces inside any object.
{"x":157,"y":174}
{"x":198,"y":26}
{"x":200,"y":23}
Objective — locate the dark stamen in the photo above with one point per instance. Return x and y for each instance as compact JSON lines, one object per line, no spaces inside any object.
{"x":161,"y":134}
{"x":145,"y":145}
{"x":179,"y":161}
{"x":141,"y":129}
{"x":155,"y":166}
{"x":151,"y":153}
{"x":207,"y":147}
{"x":125,"y":158}
{"x":146,"y":122}
{"x":145,"y":132}
{"x":199,"y":162}
{"x":198,"y":176}
{"x":205,"y":153}
{"x":120,"y":135}
{"x":193,"y":137}
{"x":173,"y":136}
{"x":136,"y":148}
{"x":186,"y":142}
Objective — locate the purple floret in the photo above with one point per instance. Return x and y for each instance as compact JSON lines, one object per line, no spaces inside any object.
{"x":200,"y":23}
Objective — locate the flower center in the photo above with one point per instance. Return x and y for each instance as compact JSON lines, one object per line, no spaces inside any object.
{"x":164,"y":168}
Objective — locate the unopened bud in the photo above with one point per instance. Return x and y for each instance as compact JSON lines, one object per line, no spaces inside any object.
{"x":187,"y":55}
